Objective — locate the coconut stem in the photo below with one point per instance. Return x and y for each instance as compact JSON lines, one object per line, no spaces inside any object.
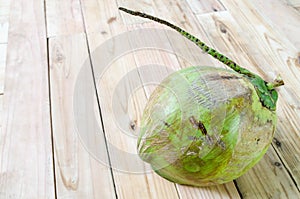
{"x":222,"y":58}
{"x":276,"y":83}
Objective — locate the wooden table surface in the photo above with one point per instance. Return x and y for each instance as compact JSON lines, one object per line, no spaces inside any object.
{"x":52,"y":146}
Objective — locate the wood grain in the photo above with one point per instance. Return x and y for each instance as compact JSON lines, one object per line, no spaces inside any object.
{"x":201,"y":7}
{"x":78,"y":173}
{"x":157,"y":62}
{"x":268,"y":179}
{"x":184,"y":18}
{"x":63,"y":17}
{"x":25,"y":143}
{"x":275,"y":13}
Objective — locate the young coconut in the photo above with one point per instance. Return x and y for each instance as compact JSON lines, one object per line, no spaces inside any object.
{"x":204,"y":125}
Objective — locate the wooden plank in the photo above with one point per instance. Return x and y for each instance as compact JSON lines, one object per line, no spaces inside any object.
{"x":3,"y":48}
{"x":268,"y":179}
{"x":276,"y":12}
{"x":4,"y":18}
{"x":79,"y":174}
{"x":25,"y":142}
{"x":120,"y":124}
{"x":183,"y":17}
{"x":95,"y":19}
{"x":128,"y":167}
{"x":63,"y":17}
{"x":274,"y":54}
{"x":157,"y":58}
{"x":202,"y":7}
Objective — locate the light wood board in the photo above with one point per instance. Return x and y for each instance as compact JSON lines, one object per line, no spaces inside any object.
{"x":25,"y":141}
{"x":78,"y":173}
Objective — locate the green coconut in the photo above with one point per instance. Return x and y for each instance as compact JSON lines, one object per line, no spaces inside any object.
{"x":205,"y":125}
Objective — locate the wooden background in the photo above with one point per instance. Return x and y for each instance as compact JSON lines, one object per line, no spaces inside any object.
{"x":43,"y":44}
